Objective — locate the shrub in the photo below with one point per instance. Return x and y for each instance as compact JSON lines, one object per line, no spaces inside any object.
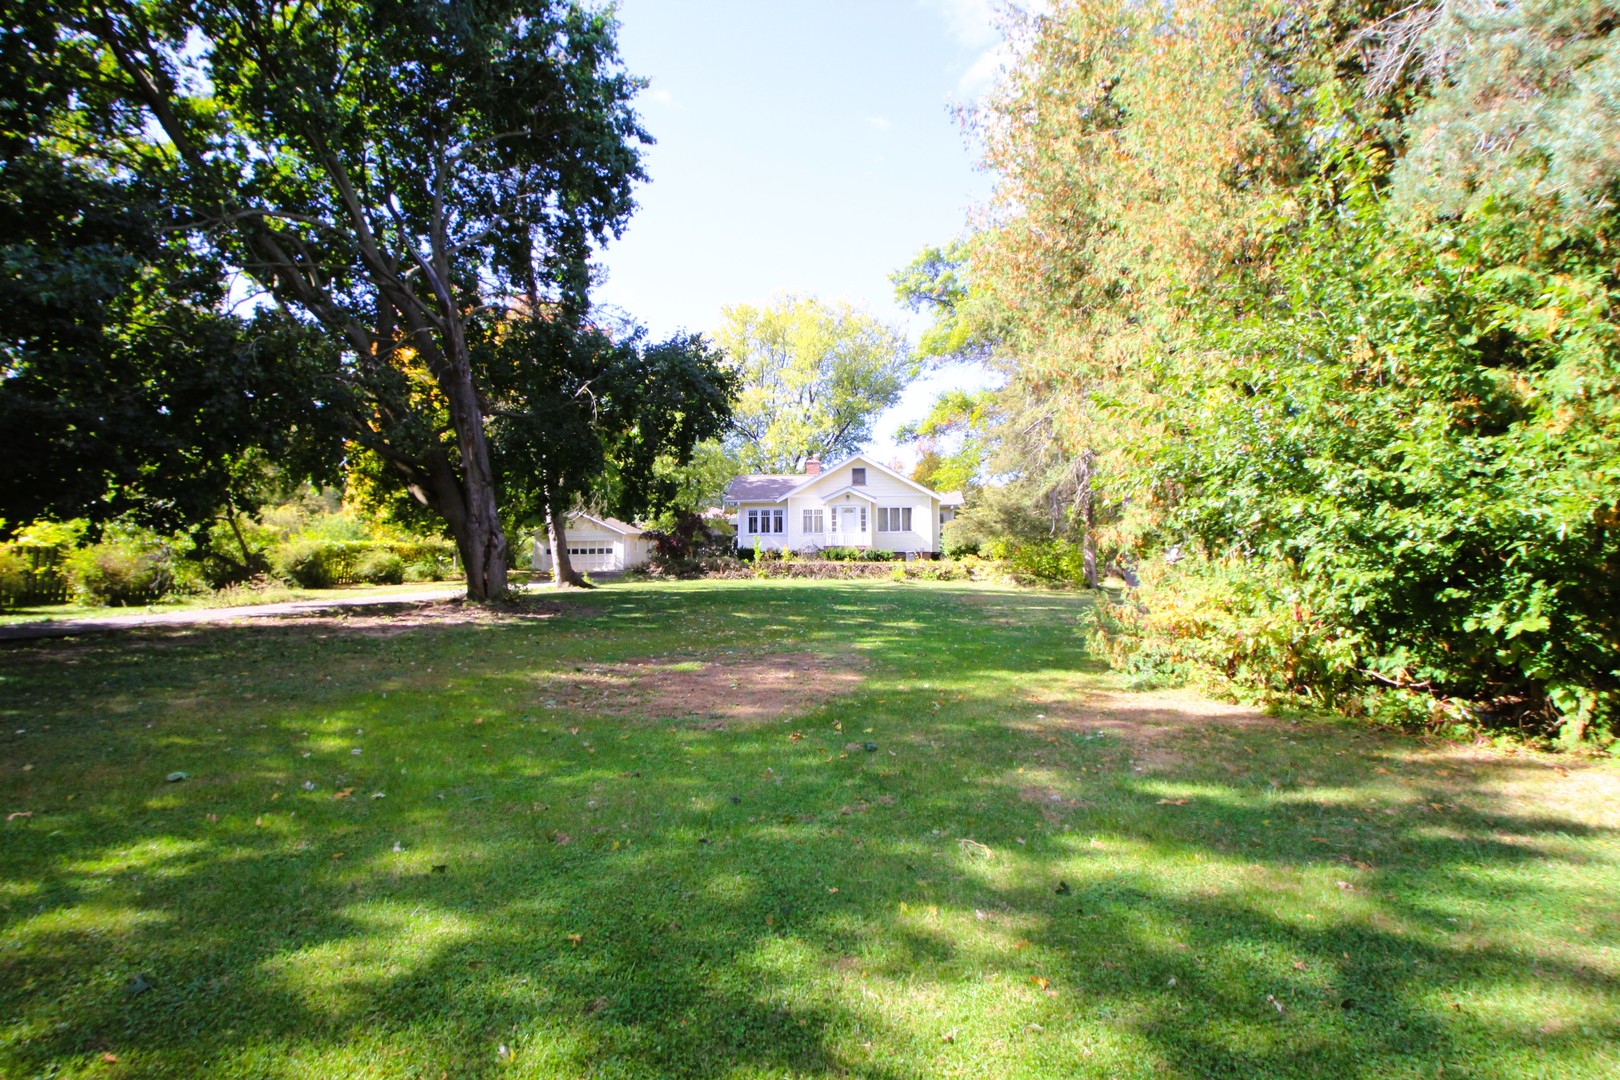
{"x":958,"y":537}
{"x":426,"y":570}
{"x":854,"y":554}
{"x":16,"y":577}
{"x":1053,"y":561}
{"x":117,"y":573}
{"x":317,"y":563}
{"x":307,"y":562}
{"x":380,"y":567}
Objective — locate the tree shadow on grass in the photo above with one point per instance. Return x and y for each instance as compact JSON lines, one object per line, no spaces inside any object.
{"x":644,"y":898}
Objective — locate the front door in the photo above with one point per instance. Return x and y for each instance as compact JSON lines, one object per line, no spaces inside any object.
{"x":849,"y":523}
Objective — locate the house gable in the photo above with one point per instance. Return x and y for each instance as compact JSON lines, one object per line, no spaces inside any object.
{"x":612,"y":525}
{"x":848,"y":489}
{"x":837,"y":478}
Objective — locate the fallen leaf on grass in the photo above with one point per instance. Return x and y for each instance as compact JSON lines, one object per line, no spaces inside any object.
{"x":832,"y":888}
{"x":1174,"y":802}
{"x":109,"y":1059}
{"x":560,"y":838}
{"x":1346,"y":886}
{"x":948,"y":1037}
{"x":19,"y":814}
{"x":1273,"y":1000}
{"x":573,"y":939}
{"x":1041,"y":981}
{"x":1299,"y":965}
{"x":796,"y":736}
{"x":343,"y":794}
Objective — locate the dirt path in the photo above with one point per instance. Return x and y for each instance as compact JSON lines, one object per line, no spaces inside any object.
{"x":101,"y":624}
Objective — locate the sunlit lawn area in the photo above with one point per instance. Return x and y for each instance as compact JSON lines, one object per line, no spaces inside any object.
{"x":525,"y":846}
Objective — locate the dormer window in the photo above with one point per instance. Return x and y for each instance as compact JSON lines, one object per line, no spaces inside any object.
{"x":857,"y":477}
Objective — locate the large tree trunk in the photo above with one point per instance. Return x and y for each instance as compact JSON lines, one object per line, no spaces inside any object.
{"x":562,"y":568}
{"x":440,"y":486}
{"x":479,"y":535}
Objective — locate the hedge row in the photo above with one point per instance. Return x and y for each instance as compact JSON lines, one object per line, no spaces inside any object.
{"x":320,"y":564}
{"x":822,"y":570}
{"x":141,"y":570}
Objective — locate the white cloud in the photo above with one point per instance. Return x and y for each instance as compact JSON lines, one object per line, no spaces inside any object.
{"x":659,"y":96}
{"x":982,"y":73}
{"x":972,"y":23}
{"x":879,"y":123}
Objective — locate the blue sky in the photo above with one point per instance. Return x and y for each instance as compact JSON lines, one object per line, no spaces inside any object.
{"x":802,"y":147}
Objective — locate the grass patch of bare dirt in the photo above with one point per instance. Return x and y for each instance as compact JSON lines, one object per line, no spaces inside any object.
{"x":731,"y":689}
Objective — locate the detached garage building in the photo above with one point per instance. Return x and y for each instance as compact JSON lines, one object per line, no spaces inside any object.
{"x":595,"y":545}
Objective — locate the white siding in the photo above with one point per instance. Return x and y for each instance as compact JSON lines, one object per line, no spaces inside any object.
{"x":886,"y":490}
{"x":624,"y":551}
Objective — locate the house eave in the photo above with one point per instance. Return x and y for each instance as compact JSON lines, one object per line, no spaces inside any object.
{"x":811,"y":480}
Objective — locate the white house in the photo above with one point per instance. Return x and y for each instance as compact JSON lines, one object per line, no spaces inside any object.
{"x":857,"y":503}
{"x":596,"y":544}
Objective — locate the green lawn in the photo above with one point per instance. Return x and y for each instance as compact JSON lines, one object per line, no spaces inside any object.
{"x":550,"y":859}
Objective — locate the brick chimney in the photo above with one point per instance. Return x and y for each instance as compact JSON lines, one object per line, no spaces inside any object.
{"x":812,"y":466}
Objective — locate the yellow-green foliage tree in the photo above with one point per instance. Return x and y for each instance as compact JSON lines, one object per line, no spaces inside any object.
{"x":814,"y":376}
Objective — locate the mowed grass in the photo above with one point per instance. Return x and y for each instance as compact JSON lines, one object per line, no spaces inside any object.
{"x":526,"y":878}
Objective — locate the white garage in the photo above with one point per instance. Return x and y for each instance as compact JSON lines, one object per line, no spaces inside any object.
{"x":595,"y":545}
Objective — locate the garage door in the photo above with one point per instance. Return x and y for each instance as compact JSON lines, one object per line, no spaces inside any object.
{"x":588,"y":557}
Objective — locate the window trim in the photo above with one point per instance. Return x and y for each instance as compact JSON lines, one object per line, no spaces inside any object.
{"x":857,"y":477}
{"x":893,"y":519}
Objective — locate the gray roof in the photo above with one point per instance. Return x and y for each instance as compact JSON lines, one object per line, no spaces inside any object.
{"x":760,"y":487}
{"x":613,"y":523}
{"x":951,"y":498}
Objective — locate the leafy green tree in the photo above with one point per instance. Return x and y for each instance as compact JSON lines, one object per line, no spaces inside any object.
{"x":954,"y":439}
{"x":577,"y":412}
{"x":937,"y":282}
{"x":126,"y":389}
{"x":387,"y":173}
{"x":1341,"y":337}
{"x":813,"y":375}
